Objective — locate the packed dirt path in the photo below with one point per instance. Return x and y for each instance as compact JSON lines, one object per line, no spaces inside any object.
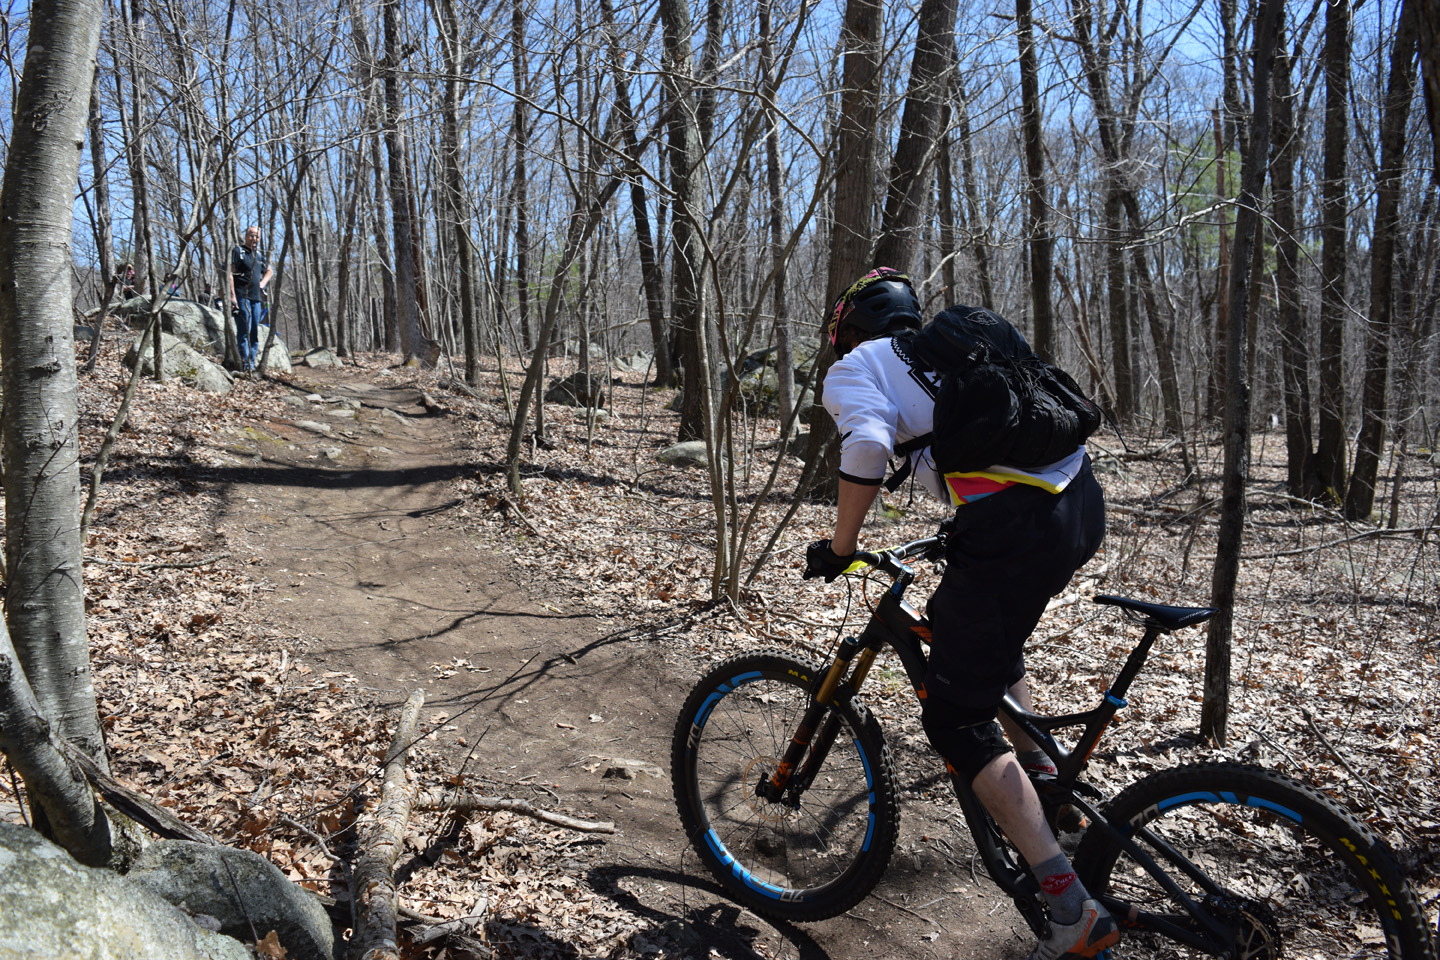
{"x":349,"y":505}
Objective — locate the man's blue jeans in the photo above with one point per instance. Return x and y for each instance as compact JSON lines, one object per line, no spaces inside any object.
{"x":247,"y":331}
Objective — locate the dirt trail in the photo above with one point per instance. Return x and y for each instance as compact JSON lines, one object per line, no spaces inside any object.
{"x":351,"y":511}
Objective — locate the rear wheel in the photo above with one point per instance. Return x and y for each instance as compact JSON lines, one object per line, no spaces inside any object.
{"x":813,"y":853}
{"x":1293,"y":875}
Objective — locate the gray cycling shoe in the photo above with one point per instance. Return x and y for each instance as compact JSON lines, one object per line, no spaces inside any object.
{"x":1088,"y":937}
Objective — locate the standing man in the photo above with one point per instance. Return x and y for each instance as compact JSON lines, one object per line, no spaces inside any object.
{"x":249,"y":274}
{"x":1019,"y":536}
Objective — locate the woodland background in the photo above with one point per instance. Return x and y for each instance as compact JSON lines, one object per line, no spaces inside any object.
{"x":1221,"y":216}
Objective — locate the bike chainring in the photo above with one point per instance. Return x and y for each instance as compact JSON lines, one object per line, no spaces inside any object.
{"x":1257,"y":932}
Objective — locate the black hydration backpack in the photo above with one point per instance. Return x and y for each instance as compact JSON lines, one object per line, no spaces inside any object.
{"x":997,"y":402}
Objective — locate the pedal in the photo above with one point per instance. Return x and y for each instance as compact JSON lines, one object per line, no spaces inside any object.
{"x":1070,"y":820}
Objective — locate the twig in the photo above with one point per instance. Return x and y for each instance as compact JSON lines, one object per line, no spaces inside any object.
{"x":917,"y":916}
{"x":436,"y":800}
{"x":510,"y":505}
{"x":471,"y":921}
{"x":1310,"y":719}
{"x":1363,"y":535}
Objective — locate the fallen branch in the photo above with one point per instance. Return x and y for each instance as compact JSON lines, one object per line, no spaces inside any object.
{"x":154,"y":818}
{"x":502,"y":500}
{"x":143,"y":565}
{"x":455,"y":928}
{"x":459,"y":386}
{"x":437,"y":800}
{"x":430,"y":405}
{"x":381,"y":840}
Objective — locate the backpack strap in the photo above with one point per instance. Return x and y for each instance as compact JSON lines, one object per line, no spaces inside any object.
{"x":903,"y":451}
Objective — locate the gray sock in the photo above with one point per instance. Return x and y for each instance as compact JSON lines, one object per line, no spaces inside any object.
{"x":1061,"y":888}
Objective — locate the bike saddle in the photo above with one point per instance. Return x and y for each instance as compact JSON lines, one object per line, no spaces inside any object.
{"x":1165,"y":617}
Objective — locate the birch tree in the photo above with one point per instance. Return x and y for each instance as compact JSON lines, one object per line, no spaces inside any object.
{"x":44,"y":589}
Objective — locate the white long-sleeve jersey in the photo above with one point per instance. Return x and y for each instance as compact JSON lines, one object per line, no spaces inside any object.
{"x":879,"y":400}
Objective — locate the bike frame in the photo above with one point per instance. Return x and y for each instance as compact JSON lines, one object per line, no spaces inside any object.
{"x":897,"y":624}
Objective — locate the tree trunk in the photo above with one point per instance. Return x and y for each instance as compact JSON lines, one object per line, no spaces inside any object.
{"x":375,"y":108}
{"x":979,"y":224}
{"x":1334,"y":212}
{"x":44,"y":587}
{"x":1037,"y":217}
{"x":687,"y":182}
{"x":919,"y":131}
{"x":344,"y":341}
{"x":1429,"y":30}
{"x":1294,"y":350}
{"x":1360,"y":498}
{"x":104,"y":238}
{"x":650,"y":270}
{"x":1222,"y":273}
{"x":1215,"y":706}
{"x":27,"y":740}
{"x":582,"y":223}
{"x":449,"y":26}
{"x":784,"y":354}
{"x":855,"y":151}
{"x":1117,"y":297}
{"x":519,"y":188}
{"x":412,"y":342}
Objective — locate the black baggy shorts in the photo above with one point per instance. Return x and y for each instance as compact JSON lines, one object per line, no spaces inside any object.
{"x":1010,"y":553}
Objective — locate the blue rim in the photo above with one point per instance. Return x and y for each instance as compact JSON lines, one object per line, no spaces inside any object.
{"x":712,"y":839}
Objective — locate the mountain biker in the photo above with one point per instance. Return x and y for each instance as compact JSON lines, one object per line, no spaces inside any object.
{"x":1019,"y":537}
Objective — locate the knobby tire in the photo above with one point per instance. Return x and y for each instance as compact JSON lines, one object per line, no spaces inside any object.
{"x":1302,"y":877}
{"x":813,"y":857}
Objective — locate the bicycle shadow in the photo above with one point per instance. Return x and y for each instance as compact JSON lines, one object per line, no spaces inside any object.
{"x":710,"y":925}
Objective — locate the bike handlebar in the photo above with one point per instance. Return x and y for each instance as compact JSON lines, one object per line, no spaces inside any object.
{"x":892,"y":561}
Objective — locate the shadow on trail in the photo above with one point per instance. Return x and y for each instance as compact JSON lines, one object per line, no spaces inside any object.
{"x":530,"y":674}
{"x":703,"y":928}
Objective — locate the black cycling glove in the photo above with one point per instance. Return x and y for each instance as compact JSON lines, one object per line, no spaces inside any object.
{"x":821,"y":561}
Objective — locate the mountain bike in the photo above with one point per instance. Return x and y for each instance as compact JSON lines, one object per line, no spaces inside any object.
{"x":787,"y":791}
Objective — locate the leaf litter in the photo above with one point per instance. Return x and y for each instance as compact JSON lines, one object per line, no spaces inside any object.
{"x":217,"y":715}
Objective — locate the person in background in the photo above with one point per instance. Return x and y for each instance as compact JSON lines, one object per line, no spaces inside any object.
{"x":126,"y":276}
{"x":249,"y":274}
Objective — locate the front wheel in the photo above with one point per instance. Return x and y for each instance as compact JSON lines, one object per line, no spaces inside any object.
{"x":1282,"y":869}
{"x":813,"y":853}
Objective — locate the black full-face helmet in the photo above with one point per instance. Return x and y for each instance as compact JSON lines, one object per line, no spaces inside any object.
{"x":880,"y":302}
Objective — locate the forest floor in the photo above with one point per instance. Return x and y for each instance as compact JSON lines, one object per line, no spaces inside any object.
{"x":271,"y":572}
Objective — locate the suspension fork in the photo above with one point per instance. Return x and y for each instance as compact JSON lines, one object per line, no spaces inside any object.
{"x":820,"y":724}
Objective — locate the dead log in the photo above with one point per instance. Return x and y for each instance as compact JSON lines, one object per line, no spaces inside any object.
{"x":437,"y":800}
{"x":431,"y":406}
{"x":381,"y":840}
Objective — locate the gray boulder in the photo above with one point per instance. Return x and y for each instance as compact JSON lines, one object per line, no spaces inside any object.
{"x":54,"y":907}
{"x":577,"y":390}
{"x":688,"y":454}
{"x":177,"y":359}
{"x":278,"y":357}
{"x":240,"y":889}
{"x":638,"y":362}
{"x":199,"y":326}
{"x":318,"y":357}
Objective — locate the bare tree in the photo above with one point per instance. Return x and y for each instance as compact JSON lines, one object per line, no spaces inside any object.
{"x":1360,"y":497}
{"x":44,"y":589}
{"x":1334,"y":250}
{"x":1215,"y":706}
{"x":1037,"y":221}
